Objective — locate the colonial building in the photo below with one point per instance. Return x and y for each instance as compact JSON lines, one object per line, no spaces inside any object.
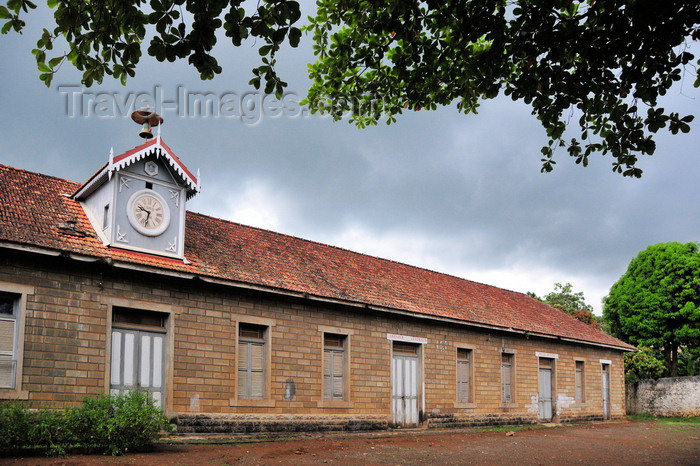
{"x":113,"y":285}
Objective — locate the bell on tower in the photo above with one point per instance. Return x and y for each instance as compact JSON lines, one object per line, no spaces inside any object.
{"x":147,"y":119}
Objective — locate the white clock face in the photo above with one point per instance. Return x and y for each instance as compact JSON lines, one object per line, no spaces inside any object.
{"x":148,"y":212}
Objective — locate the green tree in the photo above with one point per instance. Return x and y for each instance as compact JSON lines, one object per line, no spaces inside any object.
{"x":689,"y":362}
{"x":642,"y":365}
{"x":601,"y":64}
{"x":574,"y":304}
{"x":656,"y":303}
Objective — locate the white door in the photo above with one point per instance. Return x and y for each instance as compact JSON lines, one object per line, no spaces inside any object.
{"x":606,"y":391}
{"x":138,"y":363}
{"x":405,"y":393}
{"x":545,"y":394}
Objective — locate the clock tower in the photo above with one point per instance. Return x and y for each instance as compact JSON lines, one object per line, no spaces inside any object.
{"x":137,"y":200}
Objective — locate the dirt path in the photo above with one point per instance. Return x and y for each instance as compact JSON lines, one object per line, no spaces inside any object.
{"x":625,"y":443}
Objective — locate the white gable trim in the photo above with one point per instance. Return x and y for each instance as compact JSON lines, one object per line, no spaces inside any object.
{"x":150,"y":148}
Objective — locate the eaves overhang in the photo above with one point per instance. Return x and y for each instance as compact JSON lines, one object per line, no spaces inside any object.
{"x":197,"y":275}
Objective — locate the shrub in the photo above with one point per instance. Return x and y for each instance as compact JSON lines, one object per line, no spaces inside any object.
{"x":51,"y":432}
{"x":117,"y":423}
{"x":15,"y":424}
{"x":111,"y":424}
{"x":642,"y":365}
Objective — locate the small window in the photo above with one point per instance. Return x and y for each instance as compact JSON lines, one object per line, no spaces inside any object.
{"x":149,"y":185}
{"x":8,"y":339}
{"x":400,"y":347}
{"x":507,"y":378}
{"x":105,"y":217}
{"x":138,"y":317}
{"x":256,"y":332}
{"x":464,"y":359}
{"x":547,"y":363}
{"x":251,"y":361}
{"x":334,"y":365}
{"x":580,"y":381}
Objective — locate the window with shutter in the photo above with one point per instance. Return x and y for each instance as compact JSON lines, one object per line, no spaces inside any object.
{"x":506,"y":378}
{"x":251,"y":361}
{"x":464,"y":375}
{"x":8,"y":335}
{"x":334,"y":366}
{"x":580,"y":382}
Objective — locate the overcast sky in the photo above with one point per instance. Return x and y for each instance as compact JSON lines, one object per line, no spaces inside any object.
{"x":459,"y":194}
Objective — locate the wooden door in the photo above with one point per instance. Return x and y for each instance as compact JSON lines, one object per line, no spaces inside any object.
{"x":406,"y":377}
{"x":545,"y":394}
{"x":606,"y":391}
{"x":138,"y":363}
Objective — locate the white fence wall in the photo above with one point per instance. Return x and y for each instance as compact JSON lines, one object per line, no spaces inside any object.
{"x":670,"y":396}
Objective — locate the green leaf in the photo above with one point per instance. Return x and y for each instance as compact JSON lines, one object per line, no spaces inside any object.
{"x":54,"y":62}
{"x":294,"y":37}
{"x":46,"y":78}
{"x":14,"y":5}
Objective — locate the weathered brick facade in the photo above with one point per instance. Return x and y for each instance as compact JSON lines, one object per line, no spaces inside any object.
{"x":66,"y":354}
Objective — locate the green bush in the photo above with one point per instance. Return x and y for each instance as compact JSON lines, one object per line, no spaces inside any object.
{"x":15,"y":423}
{"x":51,"y":432}
{"x":642,"y":365}
{"x":117,"y":423}
{"x":111,"y":424}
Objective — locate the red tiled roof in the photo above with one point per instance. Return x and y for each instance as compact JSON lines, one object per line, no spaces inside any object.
{"x":37,"y":212}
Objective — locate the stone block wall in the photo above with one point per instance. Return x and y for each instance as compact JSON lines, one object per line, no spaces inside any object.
{"x":248,"y":424}
{"x":68,"y":321}
{"x":670,"y":396}
{"x":64,"y":337}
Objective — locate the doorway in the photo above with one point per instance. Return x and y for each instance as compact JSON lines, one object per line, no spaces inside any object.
{"x":406,"y":382}
{"x":606,"y":391}
{"x":138,"y":356}
{"x":545,"y":400}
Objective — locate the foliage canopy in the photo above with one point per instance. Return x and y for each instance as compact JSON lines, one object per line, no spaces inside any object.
{"x":600,"y":64}
{"x":656,"y":303}
{"x":642,"y":365}
{"x":574,"y":304}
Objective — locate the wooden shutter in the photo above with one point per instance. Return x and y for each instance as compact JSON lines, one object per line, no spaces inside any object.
{"x":338,"y":379}
{"x":463,"y":376}
{"x":257,"y":370}
{"x":333,"y":375}
{"x":507,"y":378}
{"x":7,"y":337}
{"x":334,"y":366}
{"x":243,"y":369}
{"x":327,"y":375}
{"x":251,"y":369}
{"x":7,"y":355}
{"x":579,"y":381}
